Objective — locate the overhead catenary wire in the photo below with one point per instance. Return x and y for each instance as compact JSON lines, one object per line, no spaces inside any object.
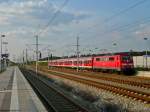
{"x":124,"y":10}
{"x":121,"y":12}
{"x":53,"y":17}
{"x":127,"y":26}
{"x":106,"y":20}
{"x":142,"y":21}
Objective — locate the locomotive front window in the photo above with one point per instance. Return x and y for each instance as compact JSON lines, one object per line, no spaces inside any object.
{"x":126,"y":58}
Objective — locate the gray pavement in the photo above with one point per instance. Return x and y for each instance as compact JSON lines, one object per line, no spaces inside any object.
{"x":16,"y":94}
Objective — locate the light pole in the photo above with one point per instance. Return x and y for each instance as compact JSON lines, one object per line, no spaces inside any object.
{"x":5,"y":43}
{"x":77,"y":54}
{"x":1,"y":52}
{"x":146,"y":53}
{"x":23,"y":58}
{"x":26,"y":56}
{"x":114,"y":44}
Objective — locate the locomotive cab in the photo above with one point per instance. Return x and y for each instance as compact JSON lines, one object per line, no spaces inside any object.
{"x":127,"y":65}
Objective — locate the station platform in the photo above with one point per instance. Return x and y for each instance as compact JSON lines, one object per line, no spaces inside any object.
{"x":16,"y":95}
{"x":144,"y":74}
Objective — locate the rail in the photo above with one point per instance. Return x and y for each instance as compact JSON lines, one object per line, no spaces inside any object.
{"x":54,"y":100}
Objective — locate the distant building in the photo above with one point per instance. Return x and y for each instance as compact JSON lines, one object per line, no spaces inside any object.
{"x":140,"y":61}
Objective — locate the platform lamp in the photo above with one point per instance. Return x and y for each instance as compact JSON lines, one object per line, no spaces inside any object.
{"x":5,"y":43}
{"x":146,"y":52}
{"x":1,"y":51}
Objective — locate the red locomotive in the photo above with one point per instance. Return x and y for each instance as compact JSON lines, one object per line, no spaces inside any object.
{"x":116,"y":62}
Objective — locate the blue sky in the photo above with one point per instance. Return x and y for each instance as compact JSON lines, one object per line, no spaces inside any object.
{"x":98,"y":23}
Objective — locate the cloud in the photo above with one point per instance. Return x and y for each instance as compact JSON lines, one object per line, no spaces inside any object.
{"x":142,"y":31}
{"x":22,"y":19}
{"x":40,"y":11}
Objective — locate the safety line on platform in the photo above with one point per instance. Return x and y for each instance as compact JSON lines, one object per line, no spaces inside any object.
{"x":14,"y":106}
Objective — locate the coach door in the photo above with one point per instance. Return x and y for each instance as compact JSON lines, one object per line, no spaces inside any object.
{"x":117,"y":62}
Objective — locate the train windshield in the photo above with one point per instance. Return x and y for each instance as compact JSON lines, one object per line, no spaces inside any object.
{"x":126,"y":58}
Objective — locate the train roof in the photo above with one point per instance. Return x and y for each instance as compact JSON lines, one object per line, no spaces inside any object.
{"x":90,"y":57}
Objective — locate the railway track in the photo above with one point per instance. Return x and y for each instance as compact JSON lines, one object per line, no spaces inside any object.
{"x":54,"y":100}
{"x":138,"y":82}
{"x":117,"y":80}
{"x":128,"y":92}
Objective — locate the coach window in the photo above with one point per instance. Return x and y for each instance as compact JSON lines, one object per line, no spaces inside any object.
{"x":111,"y":59}
{"x":80,"y":62}
{"x":75,"y":62}
{"x":89,"y":62}
{"x":86,"y":61}
{"x":97,"y":59}
{"x":102,"y":59}
{"x":106,"y":59}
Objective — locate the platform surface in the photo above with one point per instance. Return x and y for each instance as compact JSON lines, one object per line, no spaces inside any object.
{"x":144,"y":74}
{"x":16,"y":95}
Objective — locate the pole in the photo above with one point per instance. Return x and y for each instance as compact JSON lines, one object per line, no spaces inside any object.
{"x":36,"y":54}
{"x":77,"y":54}
{"x":23,"y":58}
{"x":1,"y":55}
{"x":51,"y":59}
{"x":114,"y":44}
{"x":26,"y":56}
{"x":33,"y":57}
{"x":1,"y":52}
{"x":146,"y":53}
{"x":146,"y":59}
{"x":48,"y":58}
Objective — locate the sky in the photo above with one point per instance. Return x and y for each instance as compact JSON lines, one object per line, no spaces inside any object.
{"x":98,"y":24}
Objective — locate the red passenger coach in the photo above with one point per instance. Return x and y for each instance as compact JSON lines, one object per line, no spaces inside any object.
{"x":84,"y":62}
{"x":117,"y":62}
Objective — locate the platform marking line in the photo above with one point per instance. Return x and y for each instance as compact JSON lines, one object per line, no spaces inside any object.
{"x":5,"y":91}
{"x":14,"y":105}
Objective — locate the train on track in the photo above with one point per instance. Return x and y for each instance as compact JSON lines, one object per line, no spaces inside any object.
{"x":116,"y":62}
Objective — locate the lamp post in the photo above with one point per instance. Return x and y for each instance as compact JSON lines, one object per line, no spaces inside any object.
{"x":114,"y":44}
{"x":146,"y":53}
{"x":5,"y":43}
{"x":1,"y":51}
